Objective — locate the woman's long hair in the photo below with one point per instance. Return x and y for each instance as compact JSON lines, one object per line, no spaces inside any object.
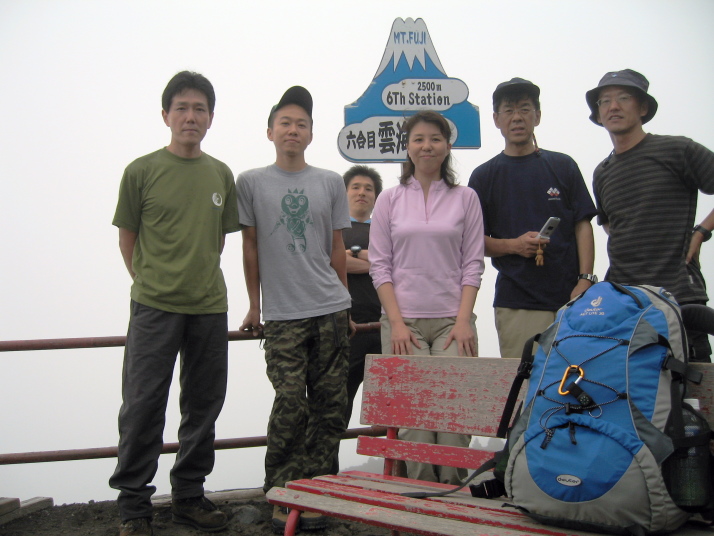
{"x":435,"y":118}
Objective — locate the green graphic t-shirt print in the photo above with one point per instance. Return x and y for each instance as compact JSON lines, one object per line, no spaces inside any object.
{"x":295,"y":216}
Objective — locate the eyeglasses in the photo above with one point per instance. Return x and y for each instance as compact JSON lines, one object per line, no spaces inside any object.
{"x":508,"y":112}
{"x":607,"y":102}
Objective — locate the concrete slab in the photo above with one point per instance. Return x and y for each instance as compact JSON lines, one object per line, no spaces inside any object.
{"x":27,"y":507}
{"x":8,"y":504}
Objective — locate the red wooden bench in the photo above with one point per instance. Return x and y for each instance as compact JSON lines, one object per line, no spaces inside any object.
{"x":447,"y":394}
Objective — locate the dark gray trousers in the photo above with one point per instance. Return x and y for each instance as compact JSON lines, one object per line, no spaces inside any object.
{"x":154,"y":339}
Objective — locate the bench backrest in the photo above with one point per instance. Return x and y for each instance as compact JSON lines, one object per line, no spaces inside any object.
{"x":464,"y":395}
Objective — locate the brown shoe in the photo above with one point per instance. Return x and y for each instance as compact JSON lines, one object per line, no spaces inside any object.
{"x":312,"y":521}
{"x":280,"y":519}
{"x":198,"y":512}
{"x":136,"y":527}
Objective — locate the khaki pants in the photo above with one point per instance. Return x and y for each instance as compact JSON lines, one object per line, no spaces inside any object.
{"x":516,"y":326}
{"x":431,"y":334}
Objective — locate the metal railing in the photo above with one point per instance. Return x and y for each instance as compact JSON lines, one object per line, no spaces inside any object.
{"x":168,"y":448}
{"x":111,"y":342}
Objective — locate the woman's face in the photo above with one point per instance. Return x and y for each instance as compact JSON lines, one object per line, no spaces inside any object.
{"x":427,"y":147}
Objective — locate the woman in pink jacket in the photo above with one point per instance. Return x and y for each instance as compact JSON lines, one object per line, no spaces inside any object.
{"x":426,"y":249}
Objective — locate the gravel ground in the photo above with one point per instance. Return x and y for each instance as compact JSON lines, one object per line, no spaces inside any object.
{"x":250,"y":516}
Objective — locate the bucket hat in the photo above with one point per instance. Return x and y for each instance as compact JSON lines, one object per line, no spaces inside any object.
{"x":627,"y":78}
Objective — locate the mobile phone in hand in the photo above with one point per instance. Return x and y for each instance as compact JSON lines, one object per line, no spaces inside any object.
{"x":550,"y":226}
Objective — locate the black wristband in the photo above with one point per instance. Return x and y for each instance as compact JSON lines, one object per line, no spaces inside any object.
{"x":706,"y":232}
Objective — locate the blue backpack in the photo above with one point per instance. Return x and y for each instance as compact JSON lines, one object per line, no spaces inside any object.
{"x":603,"y":416}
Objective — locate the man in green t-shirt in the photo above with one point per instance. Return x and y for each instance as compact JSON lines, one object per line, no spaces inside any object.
{"x":175,"y":207}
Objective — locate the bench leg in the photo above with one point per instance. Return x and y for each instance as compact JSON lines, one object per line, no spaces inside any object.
{"x":292,"y":523}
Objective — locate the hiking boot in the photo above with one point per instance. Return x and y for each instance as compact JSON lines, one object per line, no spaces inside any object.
{"x":312,"y":521}
{"x":140,"y":526}
{"x":280,"y":519}
{"x":198,"y":512}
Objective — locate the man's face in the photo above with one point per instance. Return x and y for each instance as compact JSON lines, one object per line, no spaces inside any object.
{"x":620,"y":110}
{"x":291,"y":131}
{"x":188,"y":117}
{"x":517,"y":121}
{"x":361,"y":197}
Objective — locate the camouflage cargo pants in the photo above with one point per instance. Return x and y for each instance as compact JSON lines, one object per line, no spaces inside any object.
{"x":307,"y":364}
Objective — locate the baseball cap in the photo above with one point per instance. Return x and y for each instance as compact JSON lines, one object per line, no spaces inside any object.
{"x":526,"y":86}
{"x":295,"y":95}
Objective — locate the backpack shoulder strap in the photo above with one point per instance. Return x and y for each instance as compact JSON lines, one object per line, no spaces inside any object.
{"x":524,"y":372}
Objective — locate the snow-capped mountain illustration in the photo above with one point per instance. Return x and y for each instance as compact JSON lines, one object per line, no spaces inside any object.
{"x":410,"y":77}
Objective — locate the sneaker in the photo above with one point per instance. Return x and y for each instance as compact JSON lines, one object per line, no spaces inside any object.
{"x":136,"y":527}
{"x":312,"y":521}
{"x":198,"y":512}
{"x":280,"y":519}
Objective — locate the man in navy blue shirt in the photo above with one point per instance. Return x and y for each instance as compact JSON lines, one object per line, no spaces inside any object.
{"x":520,"y":189}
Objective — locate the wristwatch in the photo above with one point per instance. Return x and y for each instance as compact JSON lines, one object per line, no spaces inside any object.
{"x":706,"y":232}
{"x":355,"y":251}
{"x":590,"y":277}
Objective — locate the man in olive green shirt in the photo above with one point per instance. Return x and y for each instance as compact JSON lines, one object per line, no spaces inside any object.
{"x":175,"y":207}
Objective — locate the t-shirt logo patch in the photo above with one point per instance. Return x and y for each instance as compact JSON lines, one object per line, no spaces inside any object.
{"x":217,"y":199}
{"x":296,"y":216}
{"x":554,"y":194}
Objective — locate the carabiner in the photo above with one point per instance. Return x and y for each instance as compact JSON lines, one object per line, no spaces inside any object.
{"x":572,"y":369}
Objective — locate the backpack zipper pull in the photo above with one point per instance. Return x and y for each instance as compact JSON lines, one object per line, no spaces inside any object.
{"x":548,"y":436}
{"x":572,"y":433}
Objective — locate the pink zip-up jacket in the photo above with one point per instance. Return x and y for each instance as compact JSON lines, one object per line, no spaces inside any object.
{"x":427,"y":251}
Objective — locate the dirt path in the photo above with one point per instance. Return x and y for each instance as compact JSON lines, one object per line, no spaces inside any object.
{"x":249,"y":510}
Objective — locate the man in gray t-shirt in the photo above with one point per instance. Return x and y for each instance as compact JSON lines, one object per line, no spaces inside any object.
{"x":292,"y":216}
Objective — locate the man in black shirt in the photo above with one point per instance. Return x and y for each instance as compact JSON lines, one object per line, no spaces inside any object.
{"x":363,"y":186}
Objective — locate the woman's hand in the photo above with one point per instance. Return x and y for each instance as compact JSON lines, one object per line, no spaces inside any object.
{"x":464,"y":337}
{"x":402,"y":339}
